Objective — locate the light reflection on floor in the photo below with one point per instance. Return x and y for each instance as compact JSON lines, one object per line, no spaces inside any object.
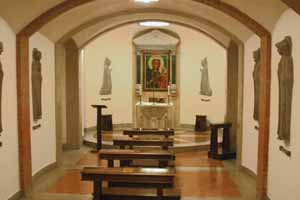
{"x":197,"y":176}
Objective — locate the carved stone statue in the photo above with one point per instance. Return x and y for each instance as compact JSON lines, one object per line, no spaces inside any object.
{"x":256,"y":79}
{"x":36,"y":82}
{"x":286,"y":83}
{"x":205,"y":86}
{"x":1,"y":82}
{"x":106,"y":84}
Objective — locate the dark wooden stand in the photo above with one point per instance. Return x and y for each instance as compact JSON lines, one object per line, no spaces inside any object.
{"x":226,"y":154}
{"x":107,"y":124}
{"x":201,"y":123}
{"x":99,"y":129}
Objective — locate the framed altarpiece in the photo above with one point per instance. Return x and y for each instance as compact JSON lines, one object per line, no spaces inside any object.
{"x":156,"y":61}
{"x":155,"y":69}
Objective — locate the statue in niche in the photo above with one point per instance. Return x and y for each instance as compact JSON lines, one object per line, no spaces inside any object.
{"x":106,"y":84}
{"x":286,"y":83}
{"x":1,"y":82}
{"x":36,"y":82}
{"x":205,"y":86}
{"x":256,"y":79}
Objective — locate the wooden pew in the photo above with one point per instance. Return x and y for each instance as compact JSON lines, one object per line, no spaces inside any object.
{"x":130,"y":142}
{"x":161,"y":178}
{"x":110,"y":155}
{"x":157,"y":132}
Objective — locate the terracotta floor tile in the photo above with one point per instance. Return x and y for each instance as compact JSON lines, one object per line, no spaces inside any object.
{"x":196,"y":184}
{"x":91,"y":159}
{"x":211,"y":183}
{"x":206,"y":184}
{"x":196,"y":159}
{"x":71,"y":183}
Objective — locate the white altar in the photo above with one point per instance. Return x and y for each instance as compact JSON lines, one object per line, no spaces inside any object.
{"x":154,"y":115}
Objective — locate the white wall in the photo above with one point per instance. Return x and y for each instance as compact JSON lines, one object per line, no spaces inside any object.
{"x":43,"y":140}
{"x":284,"y":176}
{"x":117,"y":45}
{"x":250,"y":134}
{"x":9,"y":157}
{"x":194,"y":48}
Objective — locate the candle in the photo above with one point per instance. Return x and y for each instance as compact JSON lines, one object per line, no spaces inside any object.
{"x":140,"y":90}
{"x":169,"y":90}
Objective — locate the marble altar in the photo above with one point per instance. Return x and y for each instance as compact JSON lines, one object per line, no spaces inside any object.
{"x":154,"y":115}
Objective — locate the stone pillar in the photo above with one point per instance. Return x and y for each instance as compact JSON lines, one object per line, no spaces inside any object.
{"x":73,"y":119}
{"x":232,"y":91}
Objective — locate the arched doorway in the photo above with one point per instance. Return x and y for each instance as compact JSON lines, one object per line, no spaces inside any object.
{"x":23,"y":86}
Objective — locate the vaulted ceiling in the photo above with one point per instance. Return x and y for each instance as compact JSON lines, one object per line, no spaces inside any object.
{"x":19,"y":13}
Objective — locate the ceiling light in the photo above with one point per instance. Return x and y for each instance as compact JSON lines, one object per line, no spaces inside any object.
{"x":154,"y":24}
{"x":146,"y":1}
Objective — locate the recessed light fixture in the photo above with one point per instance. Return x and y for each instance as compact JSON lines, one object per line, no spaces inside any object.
{"x":154,"y":23}
{"x":146,"y":1}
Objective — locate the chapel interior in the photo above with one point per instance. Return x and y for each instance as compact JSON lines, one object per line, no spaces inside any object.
{"x":149,"y":99}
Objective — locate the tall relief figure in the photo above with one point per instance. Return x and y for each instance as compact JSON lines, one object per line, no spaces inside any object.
{"x":1,"y":83}
{"x":205,"y":86}
{"x":286,"y":84}
{"x":36,"y":82}
{"x":256,"y":79}
{"x":107,"y":83}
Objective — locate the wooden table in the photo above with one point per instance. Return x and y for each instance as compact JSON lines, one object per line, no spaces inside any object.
{"x":162,"y":156}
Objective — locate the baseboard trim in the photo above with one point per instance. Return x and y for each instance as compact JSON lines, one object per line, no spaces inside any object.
{"x":130,"y":125}
{"x":90,"y":129}
{"x":115,"y":127}
{"x":266,"y":198}
{"x":71,"y":147}
{"x":44,"y":171}
{"x":248,"y":171}
{"x":187,"y":126}
{"x":18,"y":195}
{"x":123,"y":126}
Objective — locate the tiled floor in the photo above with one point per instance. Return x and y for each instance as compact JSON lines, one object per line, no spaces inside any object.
{"x":182,"y":138}
{"x":197,"y":176}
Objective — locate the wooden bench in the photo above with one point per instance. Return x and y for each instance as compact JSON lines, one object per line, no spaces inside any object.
{"x":130,"y":142}
{"x":161,"y":178}
{"x":139,"y":194}
{"x":157,"y":132}
{"x":126,"y":155}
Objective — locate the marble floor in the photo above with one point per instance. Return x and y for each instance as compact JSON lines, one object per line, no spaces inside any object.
{"x":184,"y":139}
{"x":198,"y":177}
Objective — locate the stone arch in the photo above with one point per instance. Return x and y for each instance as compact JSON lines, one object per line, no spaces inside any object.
{"x":23,"y":86}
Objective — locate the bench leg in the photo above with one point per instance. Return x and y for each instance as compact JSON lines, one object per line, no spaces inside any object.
{"x":160,"y":193}
{"x":97,"y":190}
{"x":110,"y":163}
{"x":162,"y":164}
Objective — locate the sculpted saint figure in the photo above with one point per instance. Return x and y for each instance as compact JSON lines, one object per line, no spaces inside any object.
{"x":36,"y":82}
{"x":205,"y":86}
{"x":107,"y":83}
{"x":1,"y":82}
{"x":256,"y":79}
{"x":286,"y":83}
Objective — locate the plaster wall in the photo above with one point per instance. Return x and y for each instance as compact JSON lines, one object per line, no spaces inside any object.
{"x":43,"y":139}
{"x":284,"y":177}
{"x":250,"y":133}
{"x":117,"y":45}
{"x":9,"y":168}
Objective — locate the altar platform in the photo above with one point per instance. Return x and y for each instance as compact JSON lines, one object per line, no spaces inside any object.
{"x":184,"y":140}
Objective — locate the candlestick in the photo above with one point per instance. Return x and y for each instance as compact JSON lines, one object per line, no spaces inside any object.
{"x":140,"y":90}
